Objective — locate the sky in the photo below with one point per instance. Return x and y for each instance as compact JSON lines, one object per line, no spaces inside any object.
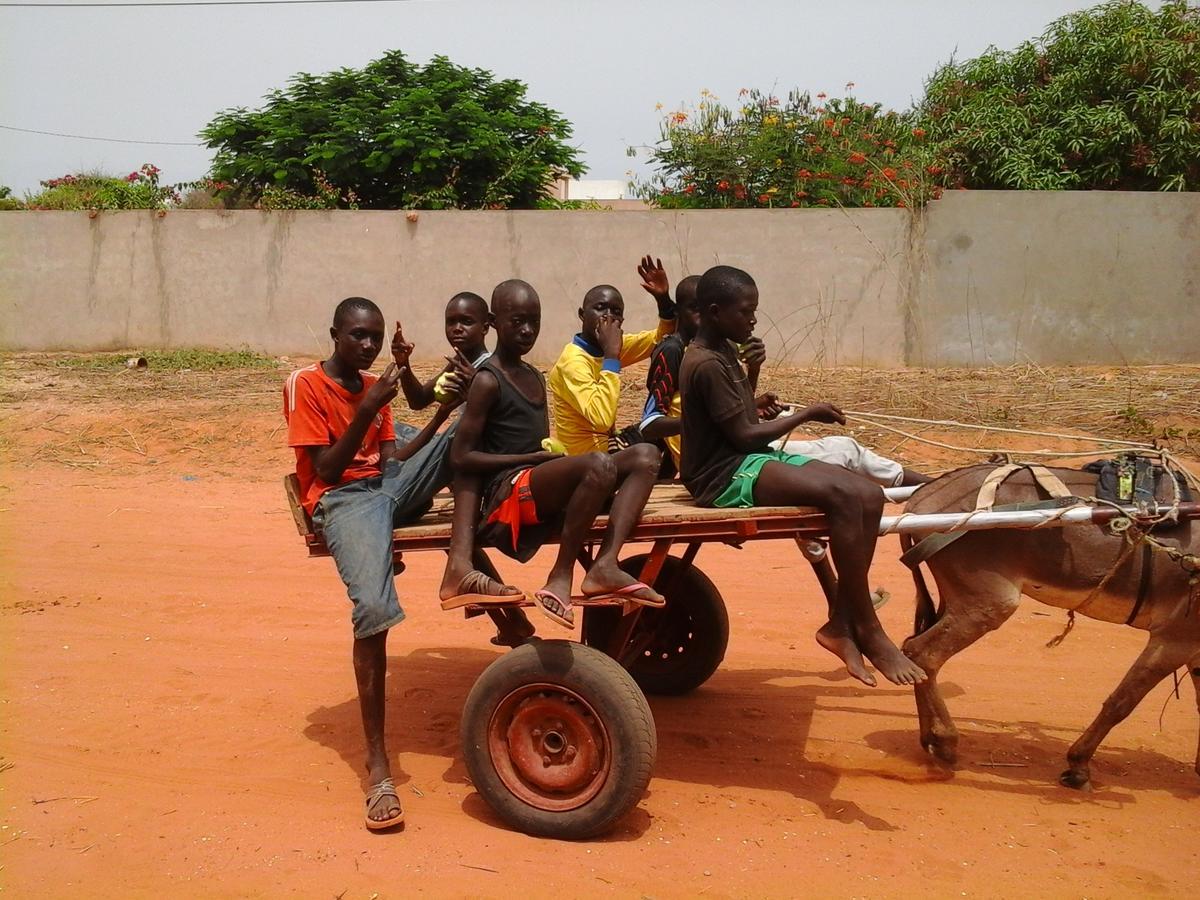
{"x":160,"y":73}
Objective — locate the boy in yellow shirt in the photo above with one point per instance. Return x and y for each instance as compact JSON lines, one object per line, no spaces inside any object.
{"x":585,"y":382}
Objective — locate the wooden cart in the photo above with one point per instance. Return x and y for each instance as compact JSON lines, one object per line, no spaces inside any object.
{"x":557,"y":735}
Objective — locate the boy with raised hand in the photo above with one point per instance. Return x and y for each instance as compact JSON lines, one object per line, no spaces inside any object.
{"x":727,"y":462}
{"x":357,"y":486}
{"x":585,"y":382}
{"x":530,"y":492}
{"x":466,"y":331}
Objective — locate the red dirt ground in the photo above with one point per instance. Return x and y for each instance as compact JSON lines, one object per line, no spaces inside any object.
{"x":179,"y":718}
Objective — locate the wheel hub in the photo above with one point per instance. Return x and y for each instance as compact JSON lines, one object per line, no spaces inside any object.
{"x":549,"y":747}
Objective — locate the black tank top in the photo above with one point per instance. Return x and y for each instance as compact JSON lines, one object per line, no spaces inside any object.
{"x":514,"y":425}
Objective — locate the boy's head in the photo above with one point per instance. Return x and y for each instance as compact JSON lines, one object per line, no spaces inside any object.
{"x":728,"y":300}
{"x":357,"y":332}
{"x":602,"y":301}
{"x":516,"y":316}
{"x":466,"y":322}
{"x":688,"y":308}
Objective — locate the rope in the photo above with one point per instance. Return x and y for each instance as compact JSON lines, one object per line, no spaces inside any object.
{"x":952,"y":424}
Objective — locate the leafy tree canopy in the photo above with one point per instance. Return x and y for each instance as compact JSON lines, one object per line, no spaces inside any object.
{"x":1106,"y":98}
{"x":397,"y":135}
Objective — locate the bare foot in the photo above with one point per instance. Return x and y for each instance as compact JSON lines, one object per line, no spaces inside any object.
{"x":889,"y":660}
{"x":474,"y":582}
{"x":513,"y":628}
{"x":605,"y":579}
{"x":837,"y":641}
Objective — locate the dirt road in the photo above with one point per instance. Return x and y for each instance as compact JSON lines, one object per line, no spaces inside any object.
{"x":179,"y":719}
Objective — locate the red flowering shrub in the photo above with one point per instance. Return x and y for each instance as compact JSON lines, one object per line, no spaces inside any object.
{"x":795,"y":152}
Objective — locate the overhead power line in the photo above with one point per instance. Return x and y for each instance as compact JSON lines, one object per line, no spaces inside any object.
{"x":88,"y":137}
{"x":193,"y":3}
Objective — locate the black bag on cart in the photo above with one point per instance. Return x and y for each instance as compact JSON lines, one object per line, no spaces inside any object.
{"x":1134,"y":479}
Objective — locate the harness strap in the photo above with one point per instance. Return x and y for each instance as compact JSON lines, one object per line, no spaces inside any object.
{"x":1047,"y":480}
{"x":1143,"y":582}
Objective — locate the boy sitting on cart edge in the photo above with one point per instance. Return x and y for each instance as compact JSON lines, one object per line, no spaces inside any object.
{"x":530,"y":492}
{"x":661,"y":423}
{"x":727,"y":462}
{"x":467,"y":571}
{"x":357,"y":485}
{"x":585,"y":381}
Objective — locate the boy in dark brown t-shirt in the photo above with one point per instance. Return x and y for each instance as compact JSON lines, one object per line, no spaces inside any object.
{"x":726,"y":462}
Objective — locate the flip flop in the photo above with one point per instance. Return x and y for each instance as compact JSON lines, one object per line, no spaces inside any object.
{"x":385,"y":788}
{"x":554,"y":608}
{"x":627,"y":592}
{"x":478,"y":589}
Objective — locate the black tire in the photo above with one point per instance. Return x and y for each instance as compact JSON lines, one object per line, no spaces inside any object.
{"x":558,"y":739}
{"x":685,"y":640}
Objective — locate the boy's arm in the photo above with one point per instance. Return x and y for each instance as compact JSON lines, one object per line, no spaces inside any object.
{"x":464,"y":455}
{"x":747,"y":436}
{"x":423,"y":436}
{"x":331,"y":461}
{"x":417,"y":395}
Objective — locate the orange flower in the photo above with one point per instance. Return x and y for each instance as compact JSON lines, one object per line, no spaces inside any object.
{"x":764,"y":198}
{"x":801,"y":194}
{"x":804,"y":173}
{"x":821,"y":96}
{"x":857,"y":158}
{"x":918,"y":132}
{"x":722,"y":185}
{"x":934,"y":170}
{"x":829,"y":123}
{"x":901,"y":204}
{"x":889,"y":173}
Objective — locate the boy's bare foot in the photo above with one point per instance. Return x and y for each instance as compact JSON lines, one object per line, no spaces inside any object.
{"x":602,"y":579}
{"x":474,"y":582}
{"x":513,"y":629}
{"x":836,"y":640}
{"x":889,"y":660}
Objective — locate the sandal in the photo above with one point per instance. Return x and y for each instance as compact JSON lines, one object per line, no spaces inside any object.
{"x":385,"y":788}
{"x":627,"y":593}
{"x":554,"y":608}
{"x":478,"y":589}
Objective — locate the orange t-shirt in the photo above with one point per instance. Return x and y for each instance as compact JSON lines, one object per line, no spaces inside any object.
{"x":318,"y":411}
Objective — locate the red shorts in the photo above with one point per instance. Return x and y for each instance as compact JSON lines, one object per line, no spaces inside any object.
{"x":517,"y":508}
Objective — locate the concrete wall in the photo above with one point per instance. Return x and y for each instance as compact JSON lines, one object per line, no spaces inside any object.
{"x":979,"y":278}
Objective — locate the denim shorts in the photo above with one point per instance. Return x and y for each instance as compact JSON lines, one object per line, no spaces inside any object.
{"x":356,"y":521}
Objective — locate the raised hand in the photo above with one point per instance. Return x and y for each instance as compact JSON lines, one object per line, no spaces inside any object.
{"x":610,"y":335}
{"x":654,"y":277}
{"x":383,"y":391}
{"x":401,"y":349}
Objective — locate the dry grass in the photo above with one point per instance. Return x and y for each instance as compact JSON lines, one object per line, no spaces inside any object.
{"x":225,"y":420}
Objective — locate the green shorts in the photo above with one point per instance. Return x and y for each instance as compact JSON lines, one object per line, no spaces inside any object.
{"x":740,"y":492}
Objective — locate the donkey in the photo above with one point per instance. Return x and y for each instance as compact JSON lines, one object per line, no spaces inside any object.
{"x":1085,"y":568}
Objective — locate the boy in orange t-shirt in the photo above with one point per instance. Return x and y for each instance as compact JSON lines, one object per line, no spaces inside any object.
{"x":357,"y":486}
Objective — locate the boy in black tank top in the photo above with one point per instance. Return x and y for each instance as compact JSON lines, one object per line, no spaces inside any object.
{"x":529,"y":493}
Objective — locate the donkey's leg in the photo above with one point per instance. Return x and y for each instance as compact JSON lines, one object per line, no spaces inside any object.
{"x":974,"y":603}
{"x":1158,"y":660}
{"x":1196,"y":684}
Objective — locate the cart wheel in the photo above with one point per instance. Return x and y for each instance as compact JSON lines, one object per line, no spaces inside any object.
{"x":558,"y":739}
{"x":679,"y":645}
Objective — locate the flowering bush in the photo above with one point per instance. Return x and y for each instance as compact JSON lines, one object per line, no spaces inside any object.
{"x":1107,"y":98}
{"x":137,"y":190}
{"x":802,"y":151}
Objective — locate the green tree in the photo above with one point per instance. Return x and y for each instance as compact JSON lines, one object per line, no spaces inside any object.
{"x":397,"y":135}
{"x":798,"y":151}
{"x":1106,"y":98}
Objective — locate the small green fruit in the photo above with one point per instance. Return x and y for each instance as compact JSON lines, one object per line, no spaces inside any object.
{"x":552,"y":445}
{"x":441,"y":391}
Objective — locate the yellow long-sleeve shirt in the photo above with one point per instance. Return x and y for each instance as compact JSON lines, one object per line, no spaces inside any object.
{"x":584,"y":388}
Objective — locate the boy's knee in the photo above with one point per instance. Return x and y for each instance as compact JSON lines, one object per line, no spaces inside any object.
{"x":600,"y":469}
{"x":645,"y":456}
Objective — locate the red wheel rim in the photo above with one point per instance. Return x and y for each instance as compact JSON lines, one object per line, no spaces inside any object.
{"x":549,"y":747}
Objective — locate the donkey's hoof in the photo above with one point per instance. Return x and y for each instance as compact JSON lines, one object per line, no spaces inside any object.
{"x":1073,"y":778}
{"x":947,"y":756}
